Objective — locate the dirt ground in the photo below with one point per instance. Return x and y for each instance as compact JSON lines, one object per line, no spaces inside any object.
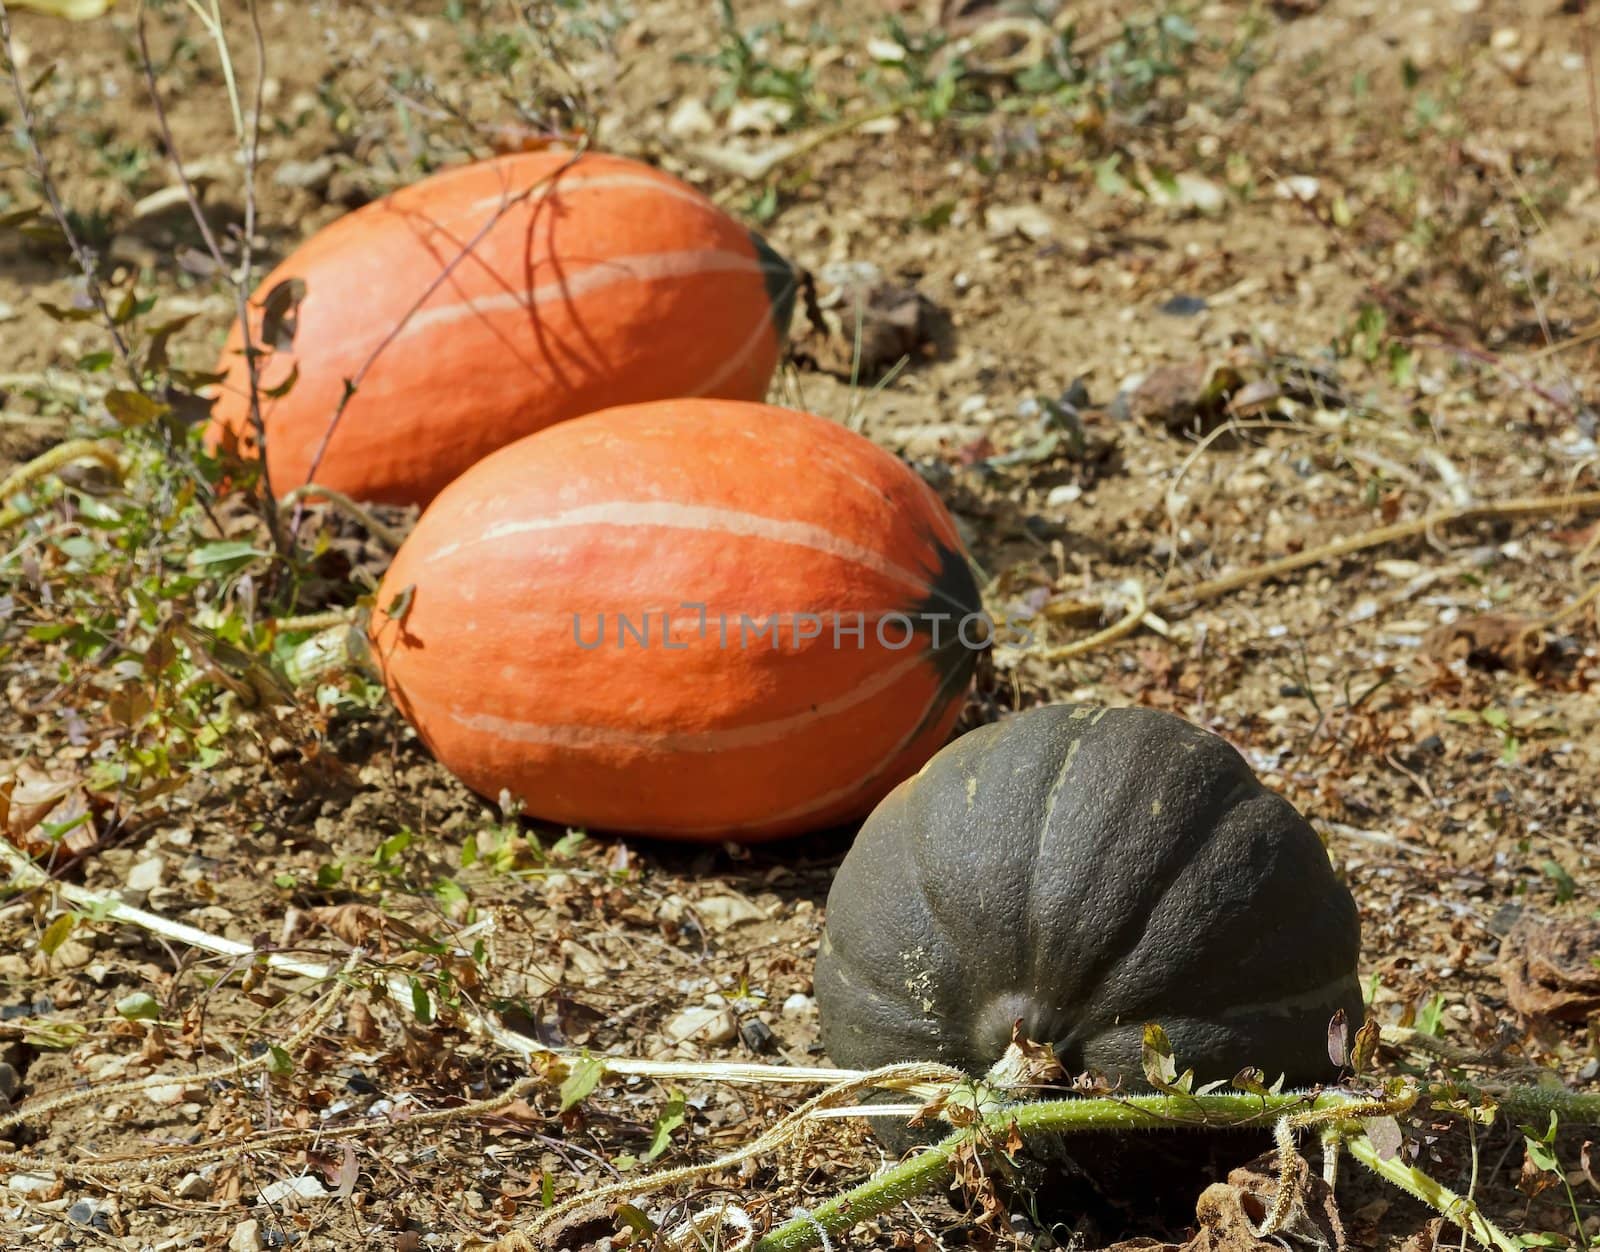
{"x":1263,"y":277}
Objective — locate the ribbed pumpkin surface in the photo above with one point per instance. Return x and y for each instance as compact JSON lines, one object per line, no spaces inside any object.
{"x":527,"y":641}
{"x":495,"y":299}
{"x":1088,"y":870}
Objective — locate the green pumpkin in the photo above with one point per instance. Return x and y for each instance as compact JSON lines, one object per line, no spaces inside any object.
{"x":1088,"y":870}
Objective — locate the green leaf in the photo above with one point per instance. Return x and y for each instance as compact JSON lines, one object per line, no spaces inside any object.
{"x":59,"y":314}
{"x":141,"y":1006}
{"x":390,"y":848}
{"x":133,"y":408}
{"x":55,"y":934}
{"x":281,"y":1063}
{"x":1431,"y":1017}
{"x":126,"y":309}
{"x":71,"y":10}
{"x":53,"y":1034}
{"x":567,"y":845}
{"x":95,"y":362}
{"x":1160,"y":1069}
{"x":420,"y":1005}
{"x":672,"y":1116}
{"x":329,"y":876}
{"x":1250,"y":1079}
{"x":18,"y":217}
{"x":1107,"y":177}
{"x":55,"y":830}
{"x":450,"y":894}
{"x":1566,"y":888}
{"x":400,"y":604}
{"x":636,"y":1220}
{"x":1542,"y":1155}
{"x":225,"y":556}
{"x":582,"y":1079}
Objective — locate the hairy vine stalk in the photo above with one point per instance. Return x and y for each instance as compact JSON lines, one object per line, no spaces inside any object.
{"x":1289,"y":1111}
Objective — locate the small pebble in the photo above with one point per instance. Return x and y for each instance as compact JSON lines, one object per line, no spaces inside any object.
{"x":193,"y":1187}
{"x":707,"y":1024}
{"x":31,"y":1184}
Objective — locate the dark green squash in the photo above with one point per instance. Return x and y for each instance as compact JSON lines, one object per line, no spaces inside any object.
{"x":1088,"y":870}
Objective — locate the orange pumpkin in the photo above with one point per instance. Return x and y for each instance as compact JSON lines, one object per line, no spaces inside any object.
{"x":490,"y":301}
{"x":698,"y":619}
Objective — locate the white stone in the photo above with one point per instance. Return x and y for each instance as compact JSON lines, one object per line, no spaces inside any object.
{"x":727,"y":911}
{"x":761,"y":117}
{"x":246,"y":1237}
{"x":1067,"y":493}
{"x":885,"y":50}
{"x":147,"y":875}
{"x":193,"y":1187}
{"x":705,"y":1024}
{"x":305,"y":1187}
{"x":799,"y":1005}
{"x":165,"y":1094}
{"x":1299,"y":187}
{"x":691,"y":120}
{"x":1026,"y":220}
{"x":31,"y":1184}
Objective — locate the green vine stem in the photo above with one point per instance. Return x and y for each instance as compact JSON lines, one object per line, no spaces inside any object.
{"x":877,"y":1195}
{"x":1457,"y":1208}
{"x":1218,"y":1111}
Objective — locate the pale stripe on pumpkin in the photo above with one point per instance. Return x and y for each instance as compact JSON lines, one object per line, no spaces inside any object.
{"x":820,"y":804}
{"x":816,"y":804}
{"x":727,"y":740}
{"x":736,"y":362}
{"x":641,"y":266}
{"x":704,"y":519}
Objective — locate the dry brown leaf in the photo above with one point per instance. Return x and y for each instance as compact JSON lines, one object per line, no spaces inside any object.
{"x":1549,"y":970}
{"x":891,"y":320}
{"x":34,"y":801}
{"x":1229,"y":1213}
{"x":361,"y":925}
{"x":1490,"y":641}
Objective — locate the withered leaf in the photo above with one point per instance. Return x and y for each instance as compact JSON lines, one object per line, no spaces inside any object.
{"x":1160,"y":1067}
{"x":1548,"y":968}
{"x":134,"y":408}
{"x":1385,"y":1135}
{"x":1366,"y":1046}
{"x":1491,"y":641}
{"x":1338,"y":1039}
{"x":280,"y":313}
